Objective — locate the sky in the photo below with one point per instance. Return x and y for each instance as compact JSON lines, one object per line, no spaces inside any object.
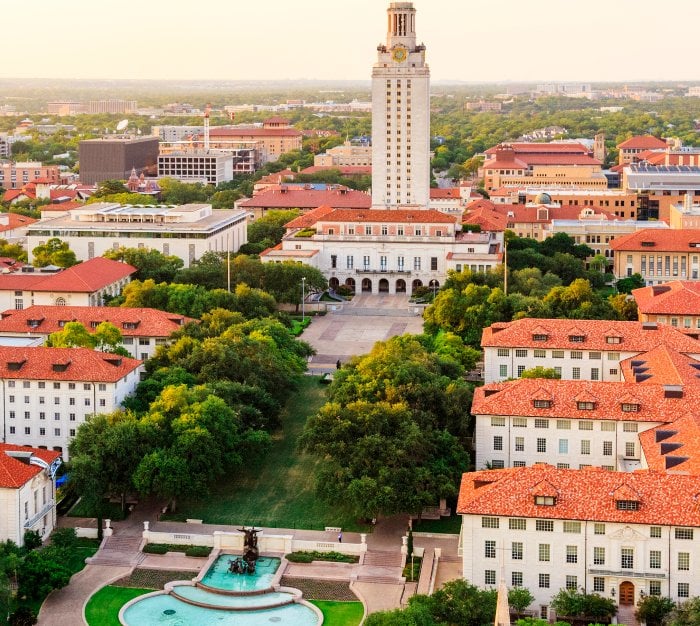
{"x":467,"y":40}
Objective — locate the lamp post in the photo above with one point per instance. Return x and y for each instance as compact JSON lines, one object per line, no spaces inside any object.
{"x":303,"y":282}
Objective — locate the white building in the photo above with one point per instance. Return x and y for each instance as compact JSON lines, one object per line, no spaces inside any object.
{"x":384,"y":251}
{"x":187,"y":231}
{"x":620,"y":535}
{"x":211,"y":167}
{"x":85,"y":284}
{"x":401,"y":115}
{"x":347,"y":154}
{"x":46,"y":393}
{"x":142,"y":329}
{"x":576,"y":349}
{"x":27,"y":491}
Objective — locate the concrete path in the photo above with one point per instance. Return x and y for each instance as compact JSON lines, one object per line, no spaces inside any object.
{"x":66,"y":606}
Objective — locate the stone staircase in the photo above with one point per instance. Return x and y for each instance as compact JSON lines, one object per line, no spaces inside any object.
{"x":381,"y":567}
{"x":383,"y":558}
{"x":119,"y":551}
{"x":625,"y":615}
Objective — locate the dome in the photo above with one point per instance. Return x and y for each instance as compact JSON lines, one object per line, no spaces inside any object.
{"x":543,"y":198}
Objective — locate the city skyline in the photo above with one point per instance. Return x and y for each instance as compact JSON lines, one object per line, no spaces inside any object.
{"x":327,"y":39}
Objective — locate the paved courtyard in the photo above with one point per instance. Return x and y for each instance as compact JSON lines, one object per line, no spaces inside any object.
{"x":357,"y":325}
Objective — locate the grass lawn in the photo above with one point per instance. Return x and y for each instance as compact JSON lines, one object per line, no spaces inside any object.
{"x":340,"y":613}
{"x":103,"y":607}
{"x":277,"y":490}
{"x":451,"y":525}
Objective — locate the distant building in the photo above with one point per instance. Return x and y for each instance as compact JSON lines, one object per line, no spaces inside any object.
{"x":632,"y":147}
{"x":484,"y":105}
{"x":345,"y":154}
{"x":658,"y":187}
{"x":66,"y":107}
{"x":187,"y":231}
{"x":14,"y":175}
{"x":111,"y":106}
{"x":212,"y":167}
{"x":676,"y":302}
{"x":27,"y":491}
{"x":114,"y":158}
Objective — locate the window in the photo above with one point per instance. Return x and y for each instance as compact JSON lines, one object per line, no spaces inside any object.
{"x":557,"y":354}
{"x":57,"y":400}
{"x":683,"y":533}
{"x":545,"y":501}
{"x":521,"y":354}
{"x":563,"y":446}
{"x":27,"y":430}
{"x":585,"y":446}
{"x":654,"y":587}
{"x":683,"y":590}
{"x":12,"y":430}
{"x":498,"y":442}
{"x":87,"y":401}
{"x":599,"y":584}
{"x":540,"y":404}
{"x":71,"y":401}
{"x":503,"y":371}
{"x":57,"y":416}
{"x":594,"y":356}
{"x":516,"y":579}
{"x":572,"y":527}
{"x":629,"y":427}
{"x":572,"y":582}
{"x":543,"y":552}
{"x":490,"y":549}
{"x":563,"y":466}
{"x":521,"y":369}
{"x":26,"y":415}
{"x":498,"y":421}
{"x":541,"y":423}
{"x":10,"y":383}
{"x":627,"y":558}
{"x":608,"y":427}
{"x":544,"y":581}
{"x":577,"y":355}
{"x":433,"y":263}
{"x":655,"y":559}
{"x":585,"y":425}
{"x":11,"y":399}
{"x":655,"y":531}
{"x":540,"y":337}
{"x":627,"y":505}
{"x":564,"y":424}
{"x":520,"y":444}
{"x":416,"y":263}
{"x":598,"y":529}
{"x":595,"y":373}
{"x":490,"y":577}
{"x":540,"y":354}
{"x":497,"y":463}
{"x":503,"y":352}
{"x":598,"y":556}
{"x":103,"y":402}
{"x":607,"y":448}
{"x":544,"y":525}
{"x":102,"y":387}
{"x":42,"y":431}
{"x":489,"y":522}
{"x":572,"y":554}
{"x":516,"y":550}
{"x":519,"y":422}
{"x":629,"y":449}
{"x":613,"y":356}
{"x":57,"y":385}
{"x":544,"y":611}
{"x":541,"y":444}
{"x":576,"y":373}
{"x":516,"y":523}
{"x":57,"y":432}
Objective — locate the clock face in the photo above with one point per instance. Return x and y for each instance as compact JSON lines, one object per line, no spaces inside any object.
{"x":399,"y":54}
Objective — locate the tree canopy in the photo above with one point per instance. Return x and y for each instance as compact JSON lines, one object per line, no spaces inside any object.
{"x":54,"y":252}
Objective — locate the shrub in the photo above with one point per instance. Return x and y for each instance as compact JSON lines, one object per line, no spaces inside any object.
{"x":32,"y":539}
{"x":23,"y":616}
{"x":156,"y":548}
{"x":64,"y":537}
{"x":198,"y":551}
{"x":312,"y":555}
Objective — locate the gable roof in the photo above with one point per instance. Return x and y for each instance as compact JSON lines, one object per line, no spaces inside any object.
{"x":15,"y":473}
{"x":642,"y":142}
{"x":590,"y":494}
{"x":390,"y":216}
{"x":661,"y":366}
{"x":677,"y":297}
{"x":673,"y":448}
{"x":658,"y":240}
{"x":49,"y":319}
{"x":296,"y":198}
{"x":14,"y":220}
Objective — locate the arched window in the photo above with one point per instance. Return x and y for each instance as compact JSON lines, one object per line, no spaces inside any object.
{"x":60,"y":302}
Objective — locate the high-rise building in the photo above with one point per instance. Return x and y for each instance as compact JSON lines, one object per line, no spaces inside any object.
{"x":401,"y":115}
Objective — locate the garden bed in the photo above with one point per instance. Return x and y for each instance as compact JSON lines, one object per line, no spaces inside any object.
{"x":189,"y":550}
{"x":308,"y":556}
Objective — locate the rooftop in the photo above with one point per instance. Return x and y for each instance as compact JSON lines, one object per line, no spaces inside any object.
{"x":642,"y":142}
{"x":658,"y":240}
{"x":15,"y":472}
{"x":678,"y":297}
{"x":295,"y":198}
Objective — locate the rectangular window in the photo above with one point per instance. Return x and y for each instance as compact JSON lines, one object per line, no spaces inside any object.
{"x":613,"y":356}
{"x":683,"y":590}
{"x":683,"y":533}
{"x":607,"y":448}
{"x":516,"y":550}
{"x":563,"y":466}
{"x":520,"y":444}
{"x":498,"y":443}
{"x":572,"y":554}
{"x":517,"y":523}
{"x":628,"y":427}
{"x":540,"y":354}
{"x":608,"y":427}
{"x":57,"y":432}
{"x":490,"y":549}
{"x":577,"y":355}
{"x":521,"y":369}
{"x":516,"y":579}
{"x":489,"y":522}
{"x":538,"y":404}
{"x":594,"y":356}
{"x":544,"y":581}
{"x":576,"y":373}
{"x":503,"y":371}
{"x":630,"y":449}
{"x":598,"y":529}
{"x":503,"y":352}
{"x":416,"y":263}
{"x":521,"y":354}
{"x":563,"y":446}
{"x":585,"y":425}
{"x":627,"y":558}
{"x":519,"y":422}
{"x":564,"y":424}
{"x":654,"y":587}
{"x":655,"y":531}
{"x":557,"y":354}
{"x":544,"y":525}
{"x":490,"y":577}
{"x":541,"y":423}
{"x":599,"y":584}
{"x":541,"y":444}
{"x":433,"y":263}
{"x":586,"y":446}
{"x":543,"y":552}
{"x":655,"y":559}
{"x":571,"y":582}
{"x":572,"y":528}
{"x":498,"y":421}
{"x":598,"y":556}
{"x":595,"y":373}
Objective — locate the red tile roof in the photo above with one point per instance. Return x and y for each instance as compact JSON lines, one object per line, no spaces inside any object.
{"x":642,"y":142}
{"x":345,"y":170}
{"x":215,"y":133}
{"x":523,"y":161}
{"x":440,"y":194}
{"x":483,"y":213}
{"x":16,"y":221}
{"x":390,"y":216}
{"x":13,"y":194}
{"x":70,"y":364}
{"x":661,"y":366}
{"x":15,"y":473}
{"x":544,"y":148}
{"x":636,"y":337}
{"x":308,"y":219}
{"x":86,"y":277}
{"x":307,"y":199}
{"x":590,"y":494}
{"x":49,"y":319}
{"x":662,"y":240}
{"x":516,"y":398}
{"x":678,"y":297}
{"x":674,"y":447}
{"x":63,"y":206}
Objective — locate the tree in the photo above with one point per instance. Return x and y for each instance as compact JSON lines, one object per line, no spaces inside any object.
{"x":175,"y":192}
{"x":460,"y":602}
{"x":627,"y":284}
{"x":283,"y":281}
{"x":208,"y":271}
{"x":42,"y":571}
{"x":540,"y":372}
{"x":572,"y":604}
{"x":32,"y":539}
{"x":270,"y":227}
{"x":110,"y":187}
{"x":108,"y":338}
{"x":72,"y":335}
{"x":686,"y":613}
{"x":519,"y":598}
{"x":12,"y":250}
{"x":54,"y":252}
{"x":653,"y":610}
{"x":151,"y":264}
{"x":625,"y":306}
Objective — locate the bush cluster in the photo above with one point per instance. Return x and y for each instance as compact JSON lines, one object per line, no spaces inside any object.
{"x":305,"y":556}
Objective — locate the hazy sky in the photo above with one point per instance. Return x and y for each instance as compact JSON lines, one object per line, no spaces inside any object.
{"x":470,"y":40}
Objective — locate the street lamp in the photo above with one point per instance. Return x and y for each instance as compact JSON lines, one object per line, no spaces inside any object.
{"x":303,"y":282}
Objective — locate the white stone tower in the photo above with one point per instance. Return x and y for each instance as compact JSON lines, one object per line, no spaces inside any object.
{"x":401,"y":115}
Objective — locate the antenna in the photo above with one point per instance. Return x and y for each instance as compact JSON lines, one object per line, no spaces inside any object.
{"x":122,"y":125}
{"x":207,"y":111}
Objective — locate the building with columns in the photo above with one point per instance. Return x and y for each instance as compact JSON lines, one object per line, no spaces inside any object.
{"x":401,"y":115}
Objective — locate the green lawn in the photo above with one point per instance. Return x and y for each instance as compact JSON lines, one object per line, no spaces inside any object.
{"x":340,"y":613}
{"x":277,"y":490}
{"x":103,"y":607}
{"x":451,"y":525}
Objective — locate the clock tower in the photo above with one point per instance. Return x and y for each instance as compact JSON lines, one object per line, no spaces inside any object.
{"x":401,"y":115}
